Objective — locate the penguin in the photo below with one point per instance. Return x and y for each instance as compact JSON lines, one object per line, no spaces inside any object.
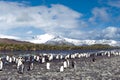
{"x":74,"y":64}
{"x":10,"y":59}
{"x":67,"y":56}
{"x":48,"y":66}
{"x":50,"y":57}
{"x":1,"y":64}
{"x":61,"y":57}
{"x":61,"y":68}
{"x":68,"y":62}
{"x":19,"y":62}
{"x":30,"y":64}
{"x":7,"y":58}
{"x":20,"y":66}
{"x":13,"y":59}
{"x":16,"y":60}
{"x":109,"y":55}
{"x":34,"y":57}
{"x":21,"y":69}
{"x":93,"y":59}
{"x":65,"y":64}
{"x":43,"y":59}
{"x":37,"y":58}
{"x":57,"y":56}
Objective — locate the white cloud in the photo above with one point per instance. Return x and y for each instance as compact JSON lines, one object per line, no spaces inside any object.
{"x":99,"y":15}
{"x":111,"y":33}
{"x":56,"y":19}
{"x":48,"y":19}
{"x":9,"y":37}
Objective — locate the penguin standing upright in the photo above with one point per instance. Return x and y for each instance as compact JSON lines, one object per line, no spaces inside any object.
{"x":43,"y":59}
{"x":21,"y":69}
{"x":1,"y":64}
{"x":74,"y":64}
{"x":20,"y":66}
{"x":37,"y":58}
{"x":109,"y":54}
{"x":10,"y":59}
{"x":68,"y":63}
{"x":61,"y":68}
{"x":65,"y":64}
{"x":50,"y":57}
{"x":7,"y":58}
{"x":13,"y":59}
{"x":47,"y":65}
{"x":30,"y":64}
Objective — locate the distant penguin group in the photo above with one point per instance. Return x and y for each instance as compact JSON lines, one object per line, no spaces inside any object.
{"x":66,"y":64}
{"x":65,"y":61}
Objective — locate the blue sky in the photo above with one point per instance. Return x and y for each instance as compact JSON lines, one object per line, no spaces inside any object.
{"x":78,"y":19}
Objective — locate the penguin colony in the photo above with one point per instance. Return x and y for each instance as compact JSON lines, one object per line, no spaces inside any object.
{"x":66,"y":61}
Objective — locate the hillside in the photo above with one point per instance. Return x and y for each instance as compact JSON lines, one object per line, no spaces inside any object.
{"x":13,"y":45}
{"x":12,"y":41}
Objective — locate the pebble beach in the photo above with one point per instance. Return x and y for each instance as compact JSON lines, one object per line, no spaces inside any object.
{"x":103,"y":68}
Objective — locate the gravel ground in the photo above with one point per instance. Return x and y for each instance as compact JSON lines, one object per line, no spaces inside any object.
{"x":103,"y":68}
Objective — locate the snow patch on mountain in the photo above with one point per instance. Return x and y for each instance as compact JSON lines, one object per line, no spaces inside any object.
{"x":58,"y":40}
{"x":41,"y":38}
{"x":91,"y":42}
{"x":74,"y":41}
{"x":51,"y":39}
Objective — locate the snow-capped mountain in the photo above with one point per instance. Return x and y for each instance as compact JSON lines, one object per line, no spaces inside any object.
{"x":40,"y":39}
{"x":91,"y":42}
{"x":57,"y":40}
{"x":51,"y":39}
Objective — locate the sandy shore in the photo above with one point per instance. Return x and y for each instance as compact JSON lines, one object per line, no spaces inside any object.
{"x":103,"y":68}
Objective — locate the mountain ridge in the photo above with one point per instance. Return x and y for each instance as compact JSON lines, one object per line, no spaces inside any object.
{"x":58,"y":40}
{"x":51,"y":39}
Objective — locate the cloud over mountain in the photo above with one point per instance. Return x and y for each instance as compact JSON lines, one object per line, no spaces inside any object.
{"x":48,"y":19}
{"x":21,"y":19}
